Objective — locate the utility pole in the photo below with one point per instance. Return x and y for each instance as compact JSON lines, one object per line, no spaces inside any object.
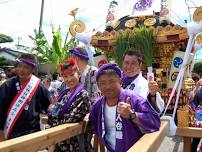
{"x":41,"y":17}
{"x":19,"y":38}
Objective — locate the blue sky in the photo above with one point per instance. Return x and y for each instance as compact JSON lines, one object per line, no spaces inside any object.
{"x":20,"y":17}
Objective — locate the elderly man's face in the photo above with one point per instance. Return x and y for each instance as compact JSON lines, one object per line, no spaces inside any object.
{"x":24,"y":71}
{"x":109,"y":85}
{"x":131,"y":66}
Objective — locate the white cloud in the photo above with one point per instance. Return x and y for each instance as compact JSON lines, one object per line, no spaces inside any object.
{"x":19,"y":17}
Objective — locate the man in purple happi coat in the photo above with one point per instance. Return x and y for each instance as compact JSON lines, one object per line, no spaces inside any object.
{"x":120,"y":117}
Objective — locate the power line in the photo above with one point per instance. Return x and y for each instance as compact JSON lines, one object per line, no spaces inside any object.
{"x":190,"y":7}
{"x":179,"y":18}
{"x":188,"y":10}
{"x":193,"y":3}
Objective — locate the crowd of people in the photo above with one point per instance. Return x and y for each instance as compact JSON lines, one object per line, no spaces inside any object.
{"x":122,"y":104}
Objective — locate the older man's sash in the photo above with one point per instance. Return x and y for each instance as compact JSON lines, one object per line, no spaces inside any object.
{"x":19,"y":103}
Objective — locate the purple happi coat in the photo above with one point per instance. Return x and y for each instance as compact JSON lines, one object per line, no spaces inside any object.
{"x":74,"y":108}
{"x":127,"y":132}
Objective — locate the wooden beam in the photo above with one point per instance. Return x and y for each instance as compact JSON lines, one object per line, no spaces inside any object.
{"x":189,"y":132}
{"x":150,"y":142}
{"x":42,"y":139}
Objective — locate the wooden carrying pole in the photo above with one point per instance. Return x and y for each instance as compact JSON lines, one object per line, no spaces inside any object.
{"x":150,"y":142}
{"x":41,"y":140}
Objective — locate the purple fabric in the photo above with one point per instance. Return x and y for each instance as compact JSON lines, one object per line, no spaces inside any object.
{"x":128,"y":80}
{"x":131,"y":132}
{"x":109,"y":66}
{"x":26,"y":61}
{"x":78,"y":53}
{"x":69,"y":100}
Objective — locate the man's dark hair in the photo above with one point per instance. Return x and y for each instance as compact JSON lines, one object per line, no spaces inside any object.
{"x":66,"y":66}
{"x":195,"y":77}
{"x":28,"y":56}
{"x":54,"y":76}
{"x":108,"y":72}
{"x":135,"y":52}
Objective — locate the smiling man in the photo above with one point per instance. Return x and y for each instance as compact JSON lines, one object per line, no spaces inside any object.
{"x":22,"y":99}
{"x":120,"y":117}
{"x":134,"y":81}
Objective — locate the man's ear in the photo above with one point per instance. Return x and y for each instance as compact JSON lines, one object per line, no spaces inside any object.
{"x":78,"y":74}
{"x":34,"y":71}
{"x":121,"y":82}
{"x":98,"y":86}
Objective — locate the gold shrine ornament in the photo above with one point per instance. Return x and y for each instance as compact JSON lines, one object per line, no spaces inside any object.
{"x":74,"y":12}
{"x":130,"y":23}
{"x":150,"y":21}
{"x":199,"y":38}
{"x":77,"y":26}
{"x":197,"y":17}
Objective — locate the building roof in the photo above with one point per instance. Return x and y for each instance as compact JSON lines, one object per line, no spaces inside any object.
{"x":10,"y":54}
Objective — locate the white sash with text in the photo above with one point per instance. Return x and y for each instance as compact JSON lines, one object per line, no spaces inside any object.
{"x":19,"y":103}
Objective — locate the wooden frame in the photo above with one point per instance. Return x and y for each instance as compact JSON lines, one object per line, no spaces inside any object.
{"x":151,"y":141}
{"x":41,"y":140}
{"x":188,"y":133}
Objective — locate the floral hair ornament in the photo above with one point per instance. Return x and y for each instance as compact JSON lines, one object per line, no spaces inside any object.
{"x":60,"y":65}
{"x":70,"y":61}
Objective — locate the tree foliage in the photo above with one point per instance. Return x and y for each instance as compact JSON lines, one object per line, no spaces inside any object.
{"x":5,"y":38}
{"x":42,"y":48}
{"x":198,"y":68}
{"x":55,"y":53}
{"x":4,"y":62}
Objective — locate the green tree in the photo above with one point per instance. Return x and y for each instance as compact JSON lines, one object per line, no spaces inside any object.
{"x":54,"y":53}
{"x":198,"y":68}
{"x":42,"y":49}
{"x":5,"y":38}
{"x":6,"y":64}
